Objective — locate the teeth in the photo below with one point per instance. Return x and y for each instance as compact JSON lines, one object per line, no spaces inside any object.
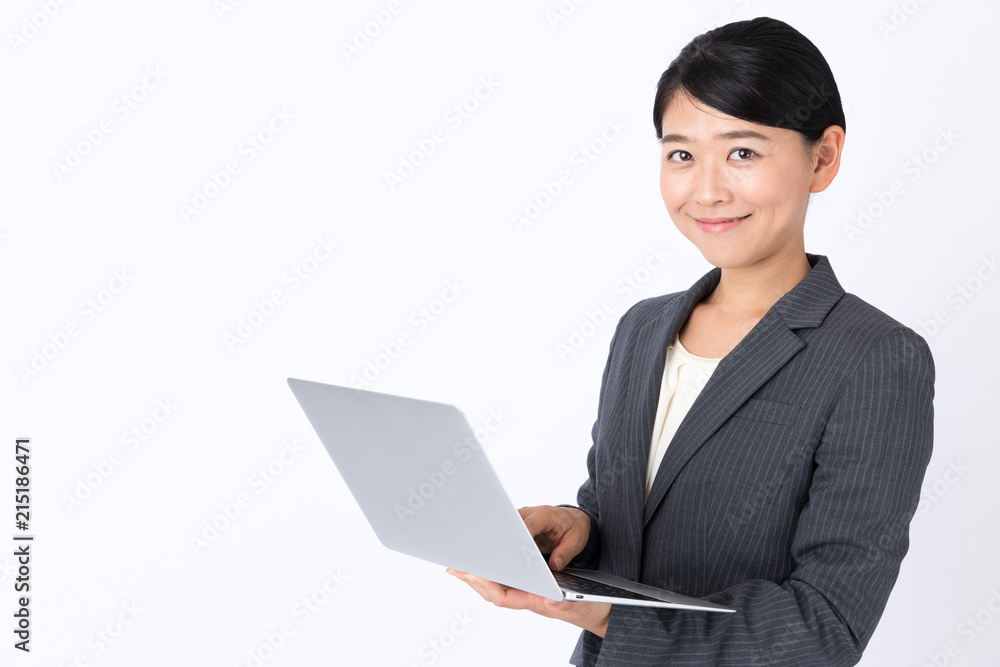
{"x":720,"y":222}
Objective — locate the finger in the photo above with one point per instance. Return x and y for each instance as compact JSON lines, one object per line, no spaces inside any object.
{"x":484,"y":584}
{"x":542,"y":524}
{"x":524,"y":511}
{"x":541,"y":530}
{"x":559,"y":557}
{"x":559,"y":608}
{"x":490,"y":590}
{"x":544,"y":544}
{"x":534,"y":520}
{"x":505,"y":596}
{"x":476,"y":584}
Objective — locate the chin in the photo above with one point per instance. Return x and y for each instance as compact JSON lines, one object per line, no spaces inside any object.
{"x":725,"y":257}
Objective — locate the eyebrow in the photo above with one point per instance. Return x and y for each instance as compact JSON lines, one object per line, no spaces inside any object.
{"x":734,"y":134}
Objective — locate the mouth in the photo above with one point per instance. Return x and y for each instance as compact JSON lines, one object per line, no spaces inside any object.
{"x":719,"y":225}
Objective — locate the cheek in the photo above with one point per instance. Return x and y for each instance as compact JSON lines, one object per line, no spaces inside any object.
{"x":760,"y":188}
{"x":670,"y":190}
{"x":675,"y":196}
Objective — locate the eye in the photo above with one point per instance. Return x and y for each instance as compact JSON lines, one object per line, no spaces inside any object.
{"x":743,"y":154}
{"x":685,"y":156}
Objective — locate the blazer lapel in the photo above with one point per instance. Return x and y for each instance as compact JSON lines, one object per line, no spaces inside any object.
{"x":761,"y":353}
{"x":646,"y":373}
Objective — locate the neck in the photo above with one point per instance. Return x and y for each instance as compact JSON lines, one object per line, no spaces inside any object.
{"x":755,"y":288}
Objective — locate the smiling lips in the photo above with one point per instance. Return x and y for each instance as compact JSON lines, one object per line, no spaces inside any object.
{"x":719,"y":225}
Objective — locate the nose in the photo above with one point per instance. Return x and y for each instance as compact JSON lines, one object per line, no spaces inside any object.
{"x":711,"y":184}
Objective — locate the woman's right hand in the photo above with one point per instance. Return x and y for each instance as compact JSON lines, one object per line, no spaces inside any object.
{"x":559,"y":531}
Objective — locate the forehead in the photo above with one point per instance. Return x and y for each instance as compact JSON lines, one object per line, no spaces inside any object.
{"x":688,"y":119}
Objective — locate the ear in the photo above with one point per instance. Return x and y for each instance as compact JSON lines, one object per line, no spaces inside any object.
{"x":826,"y":158}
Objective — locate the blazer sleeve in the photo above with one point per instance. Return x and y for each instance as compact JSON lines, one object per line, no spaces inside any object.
{"x":850,"y":538}
{"x":586,"y":497}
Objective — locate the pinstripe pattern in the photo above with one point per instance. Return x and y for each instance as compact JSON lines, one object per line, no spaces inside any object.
{"x":786,"y":492}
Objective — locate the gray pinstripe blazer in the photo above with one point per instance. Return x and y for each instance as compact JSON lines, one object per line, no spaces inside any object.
{"x":786,"y":492}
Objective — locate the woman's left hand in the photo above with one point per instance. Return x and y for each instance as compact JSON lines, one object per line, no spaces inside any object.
{"x":592,"y":616}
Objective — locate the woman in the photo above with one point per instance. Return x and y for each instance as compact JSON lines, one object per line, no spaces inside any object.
{"x":762,"y":436}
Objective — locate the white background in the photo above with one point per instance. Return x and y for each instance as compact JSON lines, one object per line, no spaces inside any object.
{"x":189,"y":279}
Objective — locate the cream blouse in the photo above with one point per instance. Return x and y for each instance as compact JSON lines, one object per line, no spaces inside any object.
{"x":684,"y":376}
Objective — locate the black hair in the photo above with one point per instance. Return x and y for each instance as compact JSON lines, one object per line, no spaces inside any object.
{"x":763,"y":71}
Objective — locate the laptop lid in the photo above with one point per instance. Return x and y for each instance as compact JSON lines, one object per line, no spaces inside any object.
{"x":424,"y":483}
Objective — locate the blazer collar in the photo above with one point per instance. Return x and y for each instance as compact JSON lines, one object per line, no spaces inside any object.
{"x":758,"y":356}
{"x":805,"y":305}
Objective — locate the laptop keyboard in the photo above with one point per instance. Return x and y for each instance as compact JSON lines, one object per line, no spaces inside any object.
{"x":587,"y":587}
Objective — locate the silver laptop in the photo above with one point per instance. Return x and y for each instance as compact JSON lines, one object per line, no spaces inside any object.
{"x":426,"y":487}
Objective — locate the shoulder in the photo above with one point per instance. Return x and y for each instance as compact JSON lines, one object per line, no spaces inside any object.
{"x":848,"y":318}
{"x":648,"y":311}
{"x":854,"y":321}
{"x":652,"y":308}
{"x":864,"y":346}
{"x":851,"y":311}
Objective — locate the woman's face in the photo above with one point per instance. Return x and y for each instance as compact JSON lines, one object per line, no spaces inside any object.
{"x":735,"y":189}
